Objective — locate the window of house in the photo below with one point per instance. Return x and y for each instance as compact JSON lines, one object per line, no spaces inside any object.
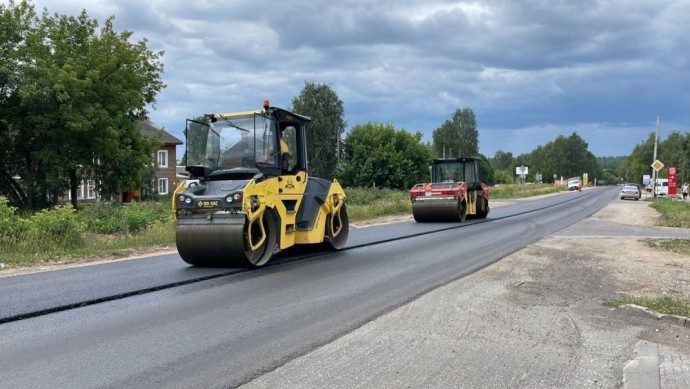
{"x":162,"y":158}
{"x":91,"y":190}
{"x":80,"y":192}
{"x":162,"y":186}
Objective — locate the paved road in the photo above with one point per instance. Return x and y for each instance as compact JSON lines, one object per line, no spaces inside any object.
{"x":235,"y":329}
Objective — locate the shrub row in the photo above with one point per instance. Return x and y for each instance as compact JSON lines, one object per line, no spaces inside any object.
{"x":108,"y":218}
{"x":64,"y":227}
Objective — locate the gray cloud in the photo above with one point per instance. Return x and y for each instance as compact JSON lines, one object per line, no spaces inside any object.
{"x":529,"y":69}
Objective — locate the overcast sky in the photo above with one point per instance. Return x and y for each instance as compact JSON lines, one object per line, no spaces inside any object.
{"x":530,"y":70}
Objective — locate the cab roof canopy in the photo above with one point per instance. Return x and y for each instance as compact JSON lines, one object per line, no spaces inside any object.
{"x":282,"y":115}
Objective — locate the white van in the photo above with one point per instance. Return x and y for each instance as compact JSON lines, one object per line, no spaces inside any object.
{"x":573,"y":183}
{"x":661,"y":187}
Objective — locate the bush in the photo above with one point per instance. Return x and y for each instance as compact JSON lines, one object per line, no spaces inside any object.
{"x":12,"y":227}
{"x":101,"y":218}
{"x":366,"y":196}
{"x":57,"y":226}
{"x":109,"y":218}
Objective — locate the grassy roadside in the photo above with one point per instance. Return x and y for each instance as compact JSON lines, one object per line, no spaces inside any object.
{"x":659,"y":305}
{"x":63,"y":235}
{"x":674,"y":213}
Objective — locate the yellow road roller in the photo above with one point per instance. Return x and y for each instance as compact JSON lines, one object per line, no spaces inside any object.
{"x":249,"y":194}
{"x":454,"y":193}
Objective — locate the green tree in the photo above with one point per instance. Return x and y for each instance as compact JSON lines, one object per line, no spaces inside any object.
{"x":15,"y":27}
{"x":458,"y":136}
{"x":76,"y":94}
{"x":503,"y":160}
{"x":564,"y":157}
{"x":638,"y":164}
{"x":612,"y":168}
{"x":324,"y":132}
{"x":673,"y":152}
{"x":504,"y":177}
{"x":378,"y":154}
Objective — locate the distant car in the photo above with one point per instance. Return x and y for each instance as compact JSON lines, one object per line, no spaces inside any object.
{"x":631,"y":192}
{"x":573,"y":183}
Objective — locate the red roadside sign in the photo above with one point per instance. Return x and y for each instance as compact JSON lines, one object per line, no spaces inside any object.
{"x":672,"y":176}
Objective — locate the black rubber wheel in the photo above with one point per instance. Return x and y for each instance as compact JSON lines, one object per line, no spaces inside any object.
{"x":263,"y":253}
{"x":462,"y":211}
{"x":338,"y":229}
{"x":484,"y":211}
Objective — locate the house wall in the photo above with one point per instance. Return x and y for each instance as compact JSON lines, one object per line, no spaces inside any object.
{"x":169,"y":172}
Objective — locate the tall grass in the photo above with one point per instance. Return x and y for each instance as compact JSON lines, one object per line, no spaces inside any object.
{"x":370,"y":203}
{"x":96,"y":230}
{"x":660,"y":305}
{"x":514,"y":191}
{"x":674,"y":213}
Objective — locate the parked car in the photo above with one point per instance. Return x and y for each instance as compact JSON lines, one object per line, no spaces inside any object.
{"x":631,"y":192}
{"x":639,"y":187}
{"x":661,"y":187}
{"x":573,"y":183}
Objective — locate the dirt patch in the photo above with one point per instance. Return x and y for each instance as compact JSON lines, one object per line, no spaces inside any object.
{"x":381,"y":220}
{"x":637,"y":213}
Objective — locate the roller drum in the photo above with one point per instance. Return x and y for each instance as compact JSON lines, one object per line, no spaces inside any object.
{"x":219,"y":242}
{"x":437,"y":211}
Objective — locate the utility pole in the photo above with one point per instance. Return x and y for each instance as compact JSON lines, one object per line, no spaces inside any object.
{"x":656,"y":141}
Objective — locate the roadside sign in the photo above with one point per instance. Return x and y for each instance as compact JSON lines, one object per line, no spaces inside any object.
{"x":672,"y":180}
{"x":657,"y":165}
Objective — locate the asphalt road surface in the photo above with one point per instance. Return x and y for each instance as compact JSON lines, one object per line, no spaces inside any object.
{"x":156,"y":322}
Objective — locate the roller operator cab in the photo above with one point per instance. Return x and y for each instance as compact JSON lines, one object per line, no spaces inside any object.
{"x":249,"y":194}
{"x":454,"y":193}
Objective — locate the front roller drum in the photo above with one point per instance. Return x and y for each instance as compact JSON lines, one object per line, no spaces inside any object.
{"x":226,"y":241}
{"x":439,"y":211}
